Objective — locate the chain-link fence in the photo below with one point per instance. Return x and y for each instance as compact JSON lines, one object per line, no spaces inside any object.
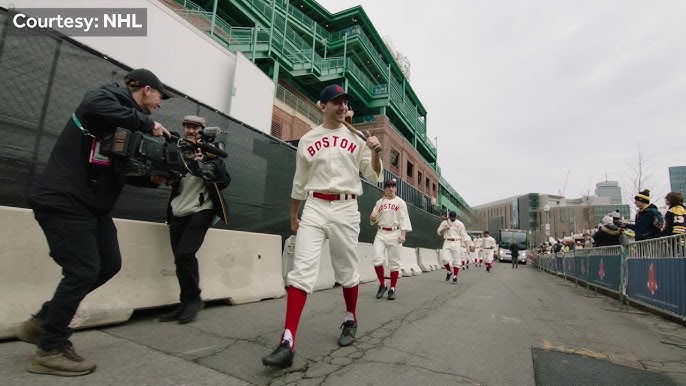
{"x":42,"y":81}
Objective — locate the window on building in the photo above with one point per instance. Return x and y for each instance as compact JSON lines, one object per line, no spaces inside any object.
{"x":427,"y":182}
{"x":434,"y":187}
{"x":395,"y":157}
{"x":419,"y":179}
{"x":410,"y":169}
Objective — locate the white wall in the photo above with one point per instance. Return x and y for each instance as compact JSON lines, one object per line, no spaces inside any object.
{"x":183,"y":57}
{"x":251,"y":85}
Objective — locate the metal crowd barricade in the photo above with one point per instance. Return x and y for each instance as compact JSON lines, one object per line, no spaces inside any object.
{"x":656,"y":274}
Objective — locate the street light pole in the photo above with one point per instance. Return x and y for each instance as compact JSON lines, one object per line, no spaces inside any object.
{"x":546,"y":208}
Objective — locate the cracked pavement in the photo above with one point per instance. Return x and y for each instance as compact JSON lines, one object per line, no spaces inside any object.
{"x":478,"y":332}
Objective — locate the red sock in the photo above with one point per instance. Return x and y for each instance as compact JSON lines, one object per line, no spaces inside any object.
{"x":456,"y":271}
{"x":394,"y":278}
{"x":350,"y":296}
{"x":380,"y":274}
{"x":295,"y":302}
{"x":488,"y":265}
{"x":447,"y":266}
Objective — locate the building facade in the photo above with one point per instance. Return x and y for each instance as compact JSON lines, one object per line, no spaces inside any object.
{"x":677,"y":179}
{"x":609,"y":189}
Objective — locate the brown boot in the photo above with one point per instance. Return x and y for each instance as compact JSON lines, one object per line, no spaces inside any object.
{"x":31,"y":330}
{"x":62,"y":361}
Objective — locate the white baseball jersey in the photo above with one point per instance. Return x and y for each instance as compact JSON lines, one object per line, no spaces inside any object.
{"x":392,"y":214}
{"x":453,"y":232}
{"x":488,"y":249}
{"x":392,"y":218}
{"x":330,"y":161}
{"x":455,"y":235}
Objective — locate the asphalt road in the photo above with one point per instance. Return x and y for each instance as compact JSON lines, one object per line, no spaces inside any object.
{"x":510,"y":327}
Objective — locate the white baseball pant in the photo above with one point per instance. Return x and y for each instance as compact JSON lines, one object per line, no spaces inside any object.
{"x":387,"y":242}
{"x":452,"y":249}
{"x":339,"y":221}
{"x":487,"y":255}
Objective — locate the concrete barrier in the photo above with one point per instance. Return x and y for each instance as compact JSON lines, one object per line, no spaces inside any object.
{"x":427,"y":260}
{"x":325,"y":279}
{"x":237,"y":266}
{"x":408,"y":262}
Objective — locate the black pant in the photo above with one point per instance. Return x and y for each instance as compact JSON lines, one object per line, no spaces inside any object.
{"x":187,"y":234}
{"x":87,"y":249}
{"x":515,"y":261}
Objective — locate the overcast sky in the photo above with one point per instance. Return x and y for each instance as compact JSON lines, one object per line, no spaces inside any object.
{"x":521,"y":92}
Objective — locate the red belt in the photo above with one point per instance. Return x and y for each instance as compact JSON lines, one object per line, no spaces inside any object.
{"x":451,"y":239}
{"x":332,"y":197}
{"x":388,"y":229}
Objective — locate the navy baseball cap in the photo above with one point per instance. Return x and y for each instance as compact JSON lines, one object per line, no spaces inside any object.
{"x":389,"y":182}
{"x":452,"y":214}
{"x":145,"y":77}
{"x":332,"y":92}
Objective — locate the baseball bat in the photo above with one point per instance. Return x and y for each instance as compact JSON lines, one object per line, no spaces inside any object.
{"x":359,"y":134}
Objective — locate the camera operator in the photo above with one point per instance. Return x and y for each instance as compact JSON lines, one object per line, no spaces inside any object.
{"x":72,"y":200}
{"x":194,"y":204}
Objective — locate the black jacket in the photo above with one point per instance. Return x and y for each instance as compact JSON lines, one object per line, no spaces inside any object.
{"x":514,"y":249}
{"x":607,"y":234}
{"x":213,"y":171}
{"x":675,"y":221}
{"x":70,"y":182}
{"x":648,"y":223}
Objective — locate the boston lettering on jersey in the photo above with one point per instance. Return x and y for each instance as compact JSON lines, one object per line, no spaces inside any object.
{"x":334,"y":141}
{"x":389,"y":207}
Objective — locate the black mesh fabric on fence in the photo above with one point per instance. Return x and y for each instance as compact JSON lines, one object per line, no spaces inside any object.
{"x":42,"y":80}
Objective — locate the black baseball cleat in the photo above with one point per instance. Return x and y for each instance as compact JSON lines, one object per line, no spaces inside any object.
{"x":391,"y":294}
{"x":455,"y":280}
{"x":380,"y":292}
{"x":281,"y":357}
{"x":349,"y":328}
{"x":447,"y":277}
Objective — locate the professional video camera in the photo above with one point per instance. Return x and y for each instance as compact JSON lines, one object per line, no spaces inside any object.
{"x":142,"y":155}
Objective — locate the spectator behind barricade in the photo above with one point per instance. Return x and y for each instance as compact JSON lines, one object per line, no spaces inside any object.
{"x":558,"y":246}
{"x":607,"y":233}
{"x":649,"y":221}
{"x":578,"y":245}
{"x":676,"y":215}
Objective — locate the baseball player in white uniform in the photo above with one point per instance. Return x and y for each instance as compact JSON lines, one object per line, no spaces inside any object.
{"x":329,"y":160}
{"x":455,"y":236}
{"x":478,"y":244}
{"x":390,"y":214}
{"x":488,"y":246}
{"x":468,"y":252}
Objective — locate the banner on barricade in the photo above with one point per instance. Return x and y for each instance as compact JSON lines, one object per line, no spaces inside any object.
{"x":581,"y":267}
{"x":604,"y":271}
{"x":660,"y":282}
{"x":570,"y":267}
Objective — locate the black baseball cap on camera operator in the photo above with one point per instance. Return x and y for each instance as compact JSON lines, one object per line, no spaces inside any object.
{"x":145,"y":77}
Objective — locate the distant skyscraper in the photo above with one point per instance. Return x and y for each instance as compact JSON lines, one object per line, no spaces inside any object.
{"x":677,"y":179}
{"x":609,"y":189}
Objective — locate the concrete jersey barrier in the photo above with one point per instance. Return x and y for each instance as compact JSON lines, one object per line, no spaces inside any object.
{"x":237,"y":266}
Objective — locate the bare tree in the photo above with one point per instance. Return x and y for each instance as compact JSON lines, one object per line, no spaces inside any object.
{"x":640,"y":177}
